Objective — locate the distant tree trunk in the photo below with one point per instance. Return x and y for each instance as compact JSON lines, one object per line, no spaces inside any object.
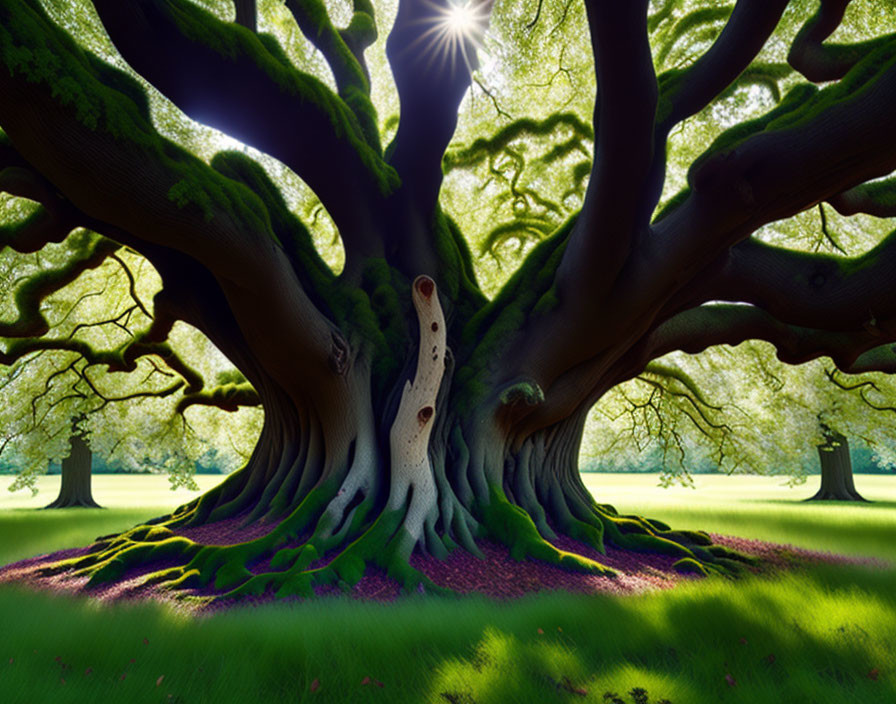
{"x":76,"y":474}
{"x":836,"y":471}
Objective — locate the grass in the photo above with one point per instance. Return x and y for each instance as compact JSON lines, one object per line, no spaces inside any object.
{"x":129,"y":499}
{"x":764,"y":508}
{"x":822,"y":636}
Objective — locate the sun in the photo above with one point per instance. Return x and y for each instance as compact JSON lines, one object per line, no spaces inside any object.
{"x":454,"y":29}
{"x":461,"y":19}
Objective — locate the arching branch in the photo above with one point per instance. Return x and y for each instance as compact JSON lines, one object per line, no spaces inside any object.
{"x":30,"y":321}
{"x":214,"y":85}
{"x":678,"y":376}
{"x":694,"y":330}
{"x":50,"y":223}
{"x":818,"y":145}
{"x":173,"y":202}
{"x":684,"y":92}
{"x":820,"y":62}
{"x":812,"y":290}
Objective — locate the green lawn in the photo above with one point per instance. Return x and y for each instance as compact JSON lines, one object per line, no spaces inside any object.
{"x":764,"y":508}
{"x":821,"y":636}
{"x":128,"y":499}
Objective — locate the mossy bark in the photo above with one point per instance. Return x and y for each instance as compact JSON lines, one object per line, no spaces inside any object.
{"x":365,"y":455}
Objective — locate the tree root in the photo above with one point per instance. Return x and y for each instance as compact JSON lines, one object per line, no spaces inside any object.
{"x":385,"y":543}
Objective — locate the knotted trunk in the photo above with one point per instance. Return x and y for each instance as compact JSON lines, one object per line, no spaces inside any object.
{"x":365,"y":474}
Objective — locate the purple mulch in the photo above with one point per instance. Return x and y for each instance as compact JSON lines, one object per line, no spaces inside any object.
{"x":783,"y":556}
{"x":498,"y":576}
{"x":230,"y":531}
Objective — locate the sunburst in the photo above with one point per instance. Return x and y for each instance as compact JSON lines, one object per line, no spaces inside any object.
{"x":454,"y":30}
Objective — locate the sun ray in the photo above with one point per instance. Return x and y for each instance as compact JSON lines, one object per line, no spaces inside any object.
{"x":454,"y":30}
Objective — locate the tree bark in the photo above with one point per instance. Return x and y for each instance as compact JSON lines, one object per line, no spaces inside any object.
{"x":836,"y":472}
{"x":76,"y":477}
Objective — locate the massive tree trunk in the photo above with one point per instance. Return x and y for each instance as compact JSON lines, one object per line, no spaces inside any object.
{"x":76,"y":477}
{"x":404,"y":411}
{"x":836,"y":471}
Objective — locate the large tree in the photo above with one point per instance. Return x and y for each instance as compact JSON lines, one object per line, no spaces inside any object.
{"x":405,"y":409}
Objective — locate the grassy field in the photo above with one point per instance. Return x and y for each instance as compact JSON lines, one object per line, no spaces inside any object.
{"x":764,"y":508}
{"x":127,"y":500}
{"x":826,"y":635}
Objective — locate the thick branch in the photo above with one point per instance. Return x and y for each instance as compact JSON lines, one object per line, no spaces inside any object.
{"x":684,"y":92}
{"x":877,"y":198}
{"x":827,"y":142}
{"x":214,"y":70}
{"x":344,"y":52}
{"x":432,"y":62}
{"x":819,"y":62}
{"x":726,"y":324}
{"x":50,"y":223}
{"x":812,"y":290}
{"x":87,"y":149}
{"x":614,"y":211}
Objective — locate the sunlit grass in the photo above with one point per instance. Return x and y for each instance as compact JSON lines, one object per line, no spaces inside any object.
{"x":764,"y":508}
{"x":129,"y":499}
{"x":830,"y":631}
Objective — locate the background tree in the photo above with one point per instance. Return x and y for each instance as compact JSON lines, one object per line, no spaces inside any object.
{"x":56,"y":400}
{"x":740,"y":410}
{"x":404,"y":409}
{"x":75,"y":482}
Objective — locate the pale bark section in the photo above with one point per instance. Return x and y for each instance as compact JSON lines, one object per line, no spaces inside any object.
{"x":409,"y":435}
